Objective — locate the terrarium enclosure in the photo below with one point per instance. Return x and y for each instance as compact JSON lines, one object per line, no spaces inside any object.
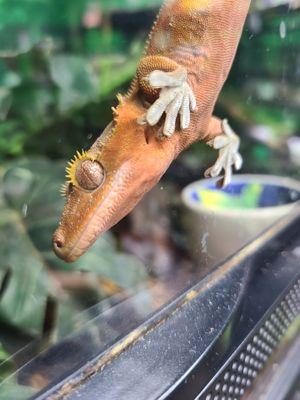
{"x":61,"y":65}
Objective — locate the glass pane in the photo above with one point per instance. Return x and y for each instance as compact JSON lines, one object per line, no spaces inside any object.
{"x":61,"y":66}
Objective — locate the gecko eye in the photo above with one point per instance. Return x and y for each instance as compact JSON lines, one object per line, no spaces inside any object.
{"x":89,"y":174}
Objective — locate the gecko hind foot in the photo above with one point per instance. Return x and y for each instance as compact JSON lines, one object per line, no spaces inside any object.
{"x":175,"y":98}
{"x":228,"y":145}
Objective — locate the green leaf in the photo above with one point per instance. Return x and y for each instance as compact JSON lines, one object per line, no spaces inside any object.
{"x":15,"y":41}
{"x":18,"y":184}
{"x":29,"y":213}
{"x":77,"y":82}
{"x":129,"y":4}
{"x":12,"y":390}
{"x":3,"y":354}
{"x":12,"y":138}
{"x":23,"y":301}
{"x":123,"y":68}
{"x":8,"y":78}
{"x":6,"y":364}
{"x":33,"y":103}
{"x":123,"y":269}
{"x":5,"y":102}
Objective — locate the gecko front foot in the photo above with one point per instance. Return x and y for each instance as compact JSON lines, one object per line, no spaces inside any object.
{"x":175,"y":98}
{"x":228,"y":145}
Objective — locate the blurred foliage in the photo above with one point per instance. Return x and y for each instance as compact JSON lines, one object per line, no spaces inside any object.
{"x":30,"y":205}
{"x":60,"y":66}
{"x":55,"y":65}
{"x":267,"y":67}
{"x":50,"y":89}
{"x":11,"y":390}
{"x":57,"y":85}
{"x":15,"y":391}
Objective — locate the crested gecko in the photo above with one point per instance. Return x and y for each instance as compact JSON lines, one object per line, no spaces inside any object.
{"x":169,"y":106}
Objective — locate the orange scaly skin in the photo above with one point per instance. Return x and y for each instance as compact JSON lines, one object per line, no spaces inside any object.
{"x":200,"y":35}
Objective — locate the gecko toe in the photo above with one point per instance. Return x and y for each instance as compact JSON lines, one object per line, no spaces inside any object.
{"x":176,"y":99}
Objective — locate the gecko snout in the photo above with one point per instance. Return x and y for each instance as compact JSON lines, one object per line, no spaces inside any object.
{"x":58,"y":244}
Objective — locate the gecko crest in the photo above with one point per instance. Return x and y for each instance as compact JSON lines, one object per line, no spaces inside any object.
{"x":64,"y":189}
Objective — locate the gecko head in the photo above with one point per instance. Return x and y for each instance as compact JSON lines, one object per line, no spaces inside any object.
{"x":106,"y":182}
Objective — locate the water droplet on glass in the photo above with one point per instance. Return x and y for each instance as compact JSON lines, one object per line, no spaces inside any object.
{"x":282,"y":30}
{"x":25,"y":209}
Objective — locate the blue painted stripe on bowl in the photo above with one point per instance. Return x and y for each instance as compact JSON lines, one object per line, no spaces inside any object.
{"x":195,"y":197}
{"x":271,"y":195}
{"x":232,"y":189}
{"x":276,"y":195}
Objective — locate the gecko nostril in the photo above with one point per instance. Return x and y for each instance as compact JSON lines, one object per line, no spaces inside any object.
{"x":58,"y":244}
{"x":58,"y":241}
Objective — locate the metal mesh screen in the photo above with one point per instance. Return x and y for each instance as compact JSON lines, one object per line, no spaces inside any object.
{"x":242,"y":371}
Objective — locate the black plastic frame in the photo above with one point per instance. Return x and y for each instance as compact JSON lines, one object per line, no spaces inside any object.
{"x":182,"y":352}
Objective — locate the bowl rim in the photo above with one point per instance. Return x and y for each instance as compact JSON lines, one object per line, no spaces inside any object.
{"x":276,"y":180}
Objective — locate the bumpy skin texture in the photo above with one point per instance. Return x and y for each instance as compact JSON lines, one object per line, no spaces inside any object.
{"x":200,"y":35}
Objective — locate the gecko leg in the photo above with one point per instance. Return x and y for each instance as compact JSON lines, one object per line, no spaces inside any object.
{"x":176,"y":98}
{"x":228,"y":145}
